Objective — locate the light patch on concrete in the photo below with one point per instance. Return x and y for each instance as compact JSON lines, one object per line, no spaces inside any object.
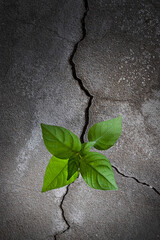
{"x":151,"y":110}
{"x":79,"y":217}
{"x":134,"y":130}
{"x":25,"y":153}
{"x":59,"y":192}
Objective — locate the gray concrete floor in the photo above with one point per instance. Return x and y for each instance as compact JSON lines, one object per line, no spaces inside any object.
{"x":115,"y":46}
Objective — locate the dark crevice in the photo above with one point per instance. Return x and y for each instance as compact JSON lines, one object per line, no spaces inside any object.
{"x":143,"y":183}
{"x":63,"y":215}
{"x":74,"y":74}
{"x":86,"y":91}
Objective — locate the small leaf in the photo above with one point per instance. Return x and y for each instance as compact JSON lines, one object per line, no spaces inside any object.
{"x":56,"y":174}
{"x":59,"y":141}
{"x":105,"y":134}
{"x":86,"y":147}
{"x":97,"y":171}
{"x":73,"y":166}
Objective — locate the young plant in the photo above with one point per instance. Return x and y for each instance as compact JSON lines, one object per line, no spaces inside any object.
{"x":71,"y":157}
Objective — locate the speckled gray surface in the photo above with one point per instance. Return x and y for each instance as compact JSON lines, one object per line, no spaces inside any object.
{"x":37,"y":86}
{"x":118,"y":63}
{"x":132,"y":212}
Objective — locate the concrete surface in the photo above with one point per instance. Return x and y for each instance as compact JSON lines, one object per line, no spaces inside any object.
{"x":118,"y":64}
{"x":37,"y":86}
{"x":132,"y":212}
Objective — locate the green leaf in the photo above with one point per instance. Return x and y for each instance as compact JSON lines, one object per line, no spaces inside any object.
{"x":73,"y":165}
{"x":56,"y":174}
{"x":86,"y":147}
{"x":59,"y":141}
{"x":97,"y":171}
{"x":106,"y":133}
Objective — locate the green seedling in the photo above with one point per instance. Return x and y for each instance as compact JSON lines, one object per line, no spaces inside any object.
{"x":70,"y":157}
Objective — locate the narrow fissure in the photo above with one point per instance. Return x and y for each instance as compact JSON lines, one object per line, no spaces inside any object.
{"x":74,"y":74}
{"x":85,"y":90}
{"x":143,"y":183}
{"x":63,"y":215}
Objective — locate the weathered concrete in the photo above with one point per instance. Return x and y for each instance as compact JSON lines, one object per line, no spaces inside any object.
{"x":37,"y":38}
{"x":132,"y":212}
{"x":118,"y":63}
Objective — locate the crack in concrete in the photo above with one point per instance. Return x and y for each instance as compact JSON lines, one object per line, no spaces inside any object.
{"x":85,"y":90}
{"x":63,"y":215}
{"x":138,"y":181}
{"x":74,"y":74}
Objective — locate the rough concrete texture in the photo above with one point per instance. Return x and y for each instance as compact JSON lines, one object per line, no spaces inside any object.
{"x":37,"y":38}
{"x":119,"y":64}
{"x":132,"y":212}
{"x":117,"y":61}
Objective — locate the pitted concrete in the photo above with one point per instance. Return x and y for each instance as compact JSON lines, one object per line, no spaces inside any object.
{"x":132,"y":212}
{"x":37,"y":86}
{"x":118,"y":63}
